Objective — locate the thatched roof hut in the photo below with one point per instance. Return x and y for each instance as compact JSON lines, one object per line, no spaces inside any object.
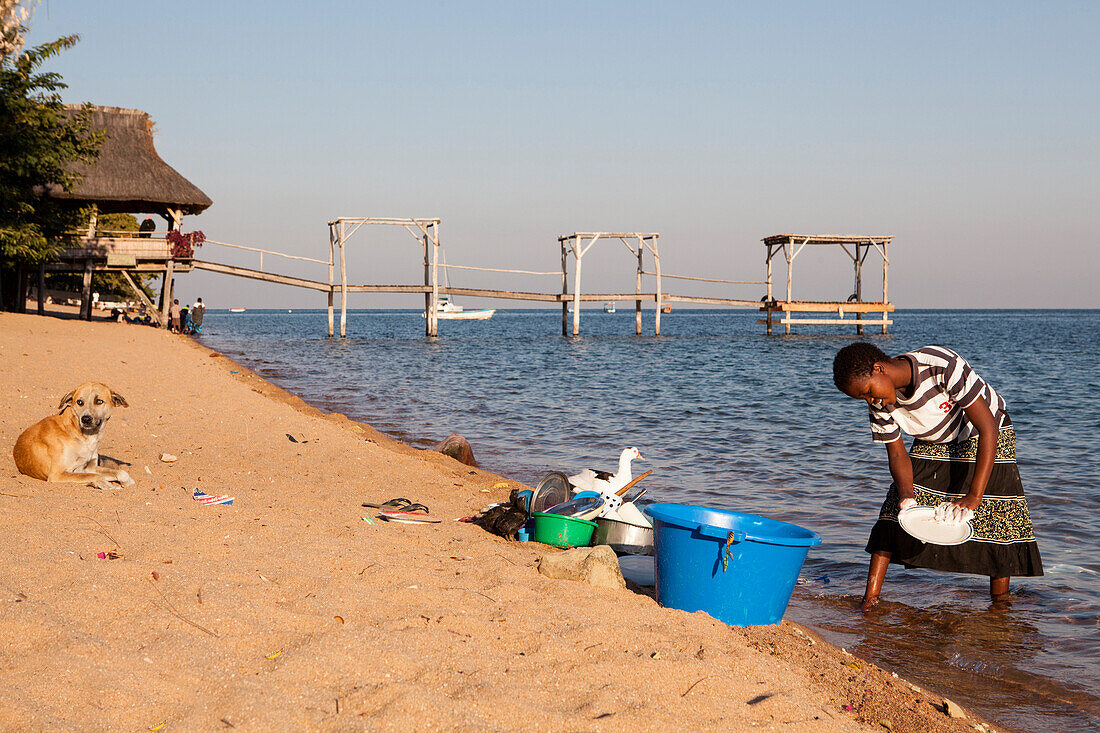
{"x":129,"y":176}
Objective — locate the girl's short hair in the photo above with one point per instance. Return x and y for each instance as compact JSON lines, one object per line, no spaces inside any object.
{"x":855,"y":360}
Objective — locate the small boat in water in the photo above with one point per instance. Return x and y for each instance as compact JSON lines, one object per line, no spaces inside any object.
{"x":236,"y":310}
{"x":447,"y":310}
{"x":609,"y":307}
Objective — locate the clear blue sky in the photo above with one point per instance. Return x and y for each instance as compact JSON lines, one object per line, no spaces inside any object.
{"x":967,"y":130}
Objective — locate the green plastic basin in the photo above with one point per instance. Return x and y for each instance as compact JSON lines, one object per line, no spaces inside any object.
{"x":559,"y":531}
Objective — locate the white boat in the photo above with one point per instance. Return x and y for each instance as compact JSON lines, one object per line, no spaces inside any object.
{"x":446,"y":310}
{"x":236,"y":310}
{"x":609,"y":307}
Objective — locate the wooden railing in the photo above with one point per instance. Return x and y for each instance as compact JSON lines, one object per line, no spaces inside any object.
{"x":140,"y":248}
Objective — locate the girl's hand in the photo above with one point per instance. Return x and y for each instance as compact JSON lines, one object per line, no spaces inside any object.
{"x":906,"y":503}
{"x":969,"y":501}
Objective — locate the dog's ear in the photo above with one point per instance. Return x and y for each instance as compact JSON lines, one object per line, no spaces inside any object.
{"x":118,"y":400}
{"x":66,"y":401}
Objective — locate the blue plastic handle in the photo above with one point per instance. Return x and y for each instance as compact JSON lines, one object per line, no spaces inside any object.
{"x":709,"y":530}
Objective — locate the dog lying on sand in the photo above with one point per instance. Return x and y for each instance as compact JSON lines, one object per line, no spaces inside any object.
{"x":65,"y":447}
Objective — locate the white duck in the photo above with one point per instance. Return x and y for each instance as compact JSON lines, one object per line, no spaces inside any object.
{"x":604,"y":482}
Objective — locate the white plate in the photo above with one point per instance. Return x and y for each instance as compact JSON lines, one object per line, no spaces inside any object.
{"x":920,"y":522}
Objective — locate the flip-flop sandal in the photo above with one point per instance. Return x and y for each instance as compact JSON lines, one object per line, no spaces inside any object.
{"x":391,"y":504}
{"x":411,"y":514}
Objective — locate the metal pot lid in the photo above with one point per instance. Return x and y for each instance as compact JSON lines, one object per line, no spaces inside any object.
{"x":577,"y":507}
{"x":551,"y":491}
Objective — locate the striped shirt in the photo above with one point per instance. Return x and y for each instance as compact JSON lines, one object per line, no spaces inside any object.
{"x":944,"y":385}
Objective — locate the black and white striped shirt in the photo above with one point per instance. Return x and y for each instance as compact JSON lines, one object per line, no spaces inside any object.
{"x":944,"y":385}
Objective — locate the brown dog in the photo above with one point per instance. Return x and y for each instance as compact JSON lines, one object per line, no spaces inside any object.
{"x":65,"y":447}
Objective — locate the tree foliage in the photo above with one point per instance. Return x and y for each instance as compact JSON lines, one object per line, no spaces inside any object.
{"x":39,"y":143}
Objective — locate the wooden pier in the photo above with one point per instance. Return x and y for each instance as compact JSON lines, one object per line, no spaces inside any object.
{"x":790,"y":245}
{"x":115,"y":254}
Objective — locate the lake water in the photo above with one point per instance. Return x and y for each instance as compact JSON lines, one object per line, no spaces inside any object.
{"x":728,"y":417}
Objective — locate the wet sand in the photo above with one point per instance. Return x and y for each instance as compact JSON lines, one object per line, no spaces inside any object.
{"x":286,"y":611}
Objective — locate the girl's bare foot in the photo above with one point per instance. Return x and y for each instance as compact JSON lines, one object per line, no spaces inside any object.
{"x":868,"y":603}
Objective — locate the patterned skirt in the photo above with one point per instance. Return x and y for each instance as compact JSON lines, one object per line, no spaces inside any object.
{"x":1004,"y":541}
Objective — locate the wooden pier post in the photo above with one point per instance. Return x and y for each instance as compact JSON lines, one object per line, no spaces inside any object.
{"x":564,"y":289}
{"x":331,"y":257}
{"x":343,"y":287}
{"x":427,"y":284}
{"x":885,"y":278}
{"x":578,"y":254}
{"x":859,"y":289}
{"x":768,"y":301}
{"x":638,"y":291}
{"x":433,"y":314}
{"x":790,"y":264}
{"x":166,"y":291}
{"x":657,"y":269}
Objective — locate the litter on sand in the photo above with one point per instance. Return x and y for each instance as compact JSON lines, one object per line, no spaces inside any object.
{"x":410,"y":514}
{"x":209,"y":499}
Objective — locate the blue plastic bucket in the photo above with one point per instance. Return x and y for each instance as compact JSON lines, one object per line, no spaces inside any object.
{"x":739,"y":568}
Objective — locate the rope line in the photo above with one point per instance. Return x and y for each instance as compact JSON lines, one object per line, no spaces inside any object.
{"x":709,"y":279}
{"x":266,"y":251}
{"x":496,"y":269}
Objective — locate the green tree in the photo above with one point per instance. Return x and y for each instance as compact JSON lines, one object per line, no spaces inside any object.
{"x":39,"y":144}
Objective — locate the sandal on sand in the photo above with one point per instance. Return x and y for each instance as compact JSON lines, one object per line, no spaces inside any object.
{"x":411,"y":514}
{"x":391,"y":504}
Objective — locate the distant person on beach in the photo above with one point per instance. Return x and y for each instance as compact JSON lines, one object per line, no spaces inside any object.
{"x":198,"y":310}
{"x":147,"y":227}
{"x":174,"y":315}
{"x":963,"y":453}
{"x":185,"y":320}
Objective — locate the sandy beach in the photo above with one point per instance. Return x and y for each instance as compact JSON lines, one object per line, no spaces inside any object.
{"x":287,"y":611}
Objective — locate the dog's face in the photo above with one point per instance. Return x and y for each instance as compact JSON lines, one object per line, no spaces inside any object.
{"x":91,"y":404}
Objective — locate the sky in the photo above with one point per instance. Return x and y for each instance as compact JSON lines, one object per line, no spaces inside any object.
{"x":968,"y":131}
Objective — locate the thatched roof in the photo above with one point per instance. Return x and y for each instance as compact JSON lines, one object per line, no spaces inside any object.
{"x":129,"y":176}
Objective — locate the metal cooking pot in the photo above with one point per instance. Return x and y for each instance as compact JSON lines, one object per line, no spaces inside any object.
{"x":623,"y":537}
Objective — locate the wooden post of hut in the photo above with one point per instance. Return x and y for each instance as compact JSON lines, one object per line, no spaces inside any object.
{"x":166,"y":290}
{"x":86,"y":292}
{"x":41,"y":288}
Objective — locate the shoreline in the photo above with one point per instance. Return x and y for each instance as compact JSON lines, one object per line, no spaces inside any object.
{"x":320,"y":620}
